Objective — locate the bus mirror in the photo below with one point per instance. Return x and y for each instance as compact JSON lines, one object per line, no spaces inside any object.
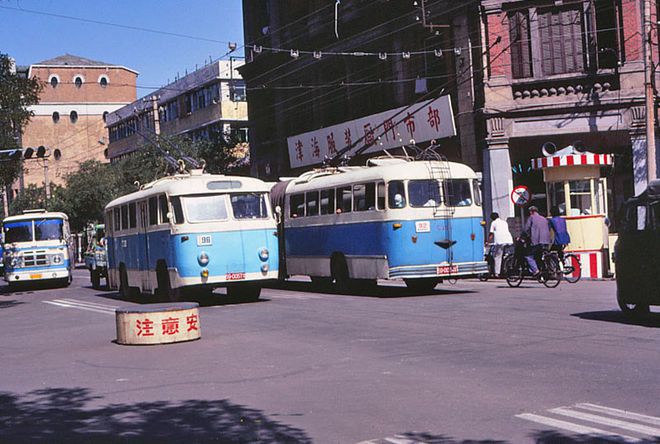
{"x":170,"y":217}
{"x":278,"y":214}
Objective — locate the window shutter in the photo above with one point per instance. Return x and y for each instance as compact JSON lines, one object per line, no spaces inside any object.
{"x":521,"y":60}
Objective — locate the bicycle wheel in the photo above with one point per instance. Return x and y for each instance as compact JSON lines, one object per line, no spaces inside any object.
{"x":513,"y":271}
{"x":552,"y":274}
{"x":572,"y":269}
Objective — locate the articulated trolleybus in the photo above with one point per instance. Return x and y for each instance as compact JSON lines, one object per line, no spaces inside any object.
{"x":38,"y":247}
{"x":192,"y":232}
{"x":394,"y":218}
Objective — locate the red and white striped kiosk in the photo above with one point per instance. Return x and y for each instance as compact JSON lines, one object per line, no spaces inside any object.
{"x":574,"y":184}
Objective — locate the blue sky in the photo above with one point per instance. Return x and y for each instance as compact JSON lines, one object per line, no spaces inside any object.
{"x":211,"y":24}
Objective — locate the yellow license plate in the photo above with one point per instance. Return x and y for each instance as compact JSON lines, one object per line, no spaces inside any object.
{"x":35,"y":276}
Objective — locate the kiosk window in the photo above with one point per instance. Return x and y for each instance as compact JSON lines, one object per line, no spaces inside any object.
{"x":580,"y":192}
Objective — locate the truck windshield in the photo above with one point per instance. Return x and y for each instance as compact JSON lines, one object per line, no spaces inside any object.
{"x":18,"y":231}
{"x":48,"y":229}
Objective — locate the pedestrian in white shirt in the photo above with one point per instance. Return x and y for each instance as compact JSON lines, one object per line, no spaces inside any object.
{"x":500,"y":237}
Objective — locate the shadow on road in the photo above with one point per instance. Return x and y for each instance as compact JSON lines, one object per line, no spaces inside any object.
{"x":204,"y":300}
{"x":9,"y":304}
{"x":61,"y":415}
{"x":366,"y":290}
{"x":651,"y":320}
{"x":553,"y":437}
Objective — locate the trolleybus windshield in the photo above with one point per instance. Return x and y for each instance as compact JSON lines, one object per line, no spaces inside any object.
{"x":249,"y":205}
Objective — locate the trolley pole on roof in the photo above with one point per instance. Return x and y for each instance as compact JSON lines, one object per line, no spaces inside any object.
{"x":649,"y":93}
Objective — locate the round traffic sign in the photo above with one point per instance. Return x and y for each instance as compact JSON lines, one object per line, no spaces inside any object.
{"x":520,"y":195}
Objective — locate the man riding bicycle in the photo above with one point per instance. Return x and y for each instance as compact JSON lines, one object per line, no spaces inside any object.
{"x":538,"y":229}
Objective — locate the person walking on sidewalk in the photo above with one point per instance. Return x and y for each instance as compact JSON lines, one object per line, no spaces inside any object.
{"x":500,"y":237}
{"x":538,"y":229}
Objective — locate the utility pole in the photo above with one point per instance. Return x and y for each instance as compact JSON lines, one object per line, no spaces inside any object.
{"x":650,"y":96}
{"x":46,"y":183}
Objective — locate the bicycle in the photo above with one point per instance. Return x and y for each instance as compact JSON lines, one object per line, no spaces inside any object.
{"x":570,"y":267}
{"x":515,"y":268}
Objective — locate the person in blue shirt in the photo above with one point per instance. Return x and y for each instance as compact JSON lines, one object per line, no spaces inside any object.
{"x":558,"y":227}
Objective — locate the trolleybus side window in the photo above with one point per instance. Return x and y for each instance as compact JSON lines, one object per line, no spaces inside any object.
{"x":153,"y":211}
{"x":457,"y":193}
{"x":163,"y":208}
{"x":124,"y":217}
{"x":364,"y":197}
{"x":396,"y":194}
{"x":424,"y":193}
{"x":297,"y":204}
{"x":312,"y":200}
{"x":132,"y":215}
{"x":476,"y":192}
{"x":178,"y":209}
{"x":117,"y":217}
{"x":344,"y":199}
{"x":328,"y":201}
{"x":380,"y":196}
{"x":249,"y":206}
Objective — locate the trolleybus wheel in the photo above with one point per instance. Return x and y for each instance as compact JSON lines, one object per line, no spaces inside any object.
{"x":339,"y":272}
{"x":423,"y":285}
{"x":95,"y":277}
{"x":124,"y":289}
{"x":244,"y":293}
{"x":632,"y":309}
{"x":164,"y":291}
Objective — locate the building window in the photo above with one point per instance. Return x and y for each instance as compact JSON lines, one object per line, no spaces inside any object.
{"x":56,"y":117}
{"x":237,"y":91}
{"x":521,"y":48}
{"x":54,"y":80}
{"x":78,"y":81}
{"x":562,"y":44}
{"x":103,"y":81}
{"x":73,"y":116}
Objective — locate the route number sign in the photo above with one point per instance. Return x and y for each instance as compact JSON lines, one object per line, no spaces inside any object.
{"x":520,"y":195}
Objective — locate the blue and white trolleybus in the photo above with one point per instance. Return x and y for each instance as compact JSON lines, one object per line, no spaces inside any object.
{"x":394,"y":218}
{"x":192,"y":231}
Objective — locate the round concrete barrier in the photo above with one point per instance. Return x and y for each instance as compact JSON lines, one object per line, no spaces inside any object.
{"x":158,"y":323}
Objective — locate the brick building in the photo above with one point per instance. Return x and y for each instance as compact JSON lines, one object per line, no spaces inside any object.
{"x":563,"y":72}
{"x":78,"y":95}
{"x":521,"y":73}
{"x":306,"y":76}
{"x":210,"y":99}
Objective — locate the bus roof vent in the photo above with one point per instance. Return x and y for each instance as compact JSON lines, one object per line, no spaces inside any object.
{"x":37,"y":210}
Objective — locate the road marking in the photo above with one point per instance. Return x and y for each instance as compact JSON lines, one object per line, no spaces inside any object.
{"x":607,"y":421}
{"x":82,"y":305}
{"x":620,"y":413}
{"x":575,"y":428}
{"x":293,"y":296}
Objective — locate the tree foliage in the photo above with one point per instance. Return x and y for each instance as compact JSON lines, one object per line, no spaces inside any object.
{"x":95,"y":184}
{"x":16,"y":95}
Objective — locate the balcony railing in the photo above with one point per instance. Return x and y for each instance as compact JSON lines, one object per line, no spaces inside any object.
{"x":565,"y":85}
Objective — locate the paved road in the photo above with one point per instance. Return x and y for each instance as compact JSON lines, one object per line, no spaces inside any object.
{"x":471,"y":361}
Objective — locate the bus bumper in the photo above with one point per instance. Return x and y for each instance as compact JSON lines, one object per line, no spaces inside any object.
{"x":222,"y":280}
{"x":34,"y":275}
{"x":440,"y":271}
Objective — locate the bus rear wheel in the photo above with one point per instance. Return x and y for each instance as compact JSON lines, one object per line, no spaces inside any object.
{"x":424,"y":285}
{"x":244,"y":293}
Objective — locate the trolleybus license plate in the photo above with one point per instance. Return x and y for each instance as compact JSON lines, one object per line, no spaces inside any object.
{"x":447,"y":269}
{"x":235,"y":276}
{"x":204,"y":239}
{"x":35,"y":276}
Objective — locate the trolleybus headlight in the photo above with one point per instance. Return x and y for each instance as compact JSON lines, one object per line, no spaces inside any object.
{"x":57,"y":259}
{"x":264,"y":268}
{"x":203,"y":259}
{"x":16,"y":262}
{"x":263,"y":254}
